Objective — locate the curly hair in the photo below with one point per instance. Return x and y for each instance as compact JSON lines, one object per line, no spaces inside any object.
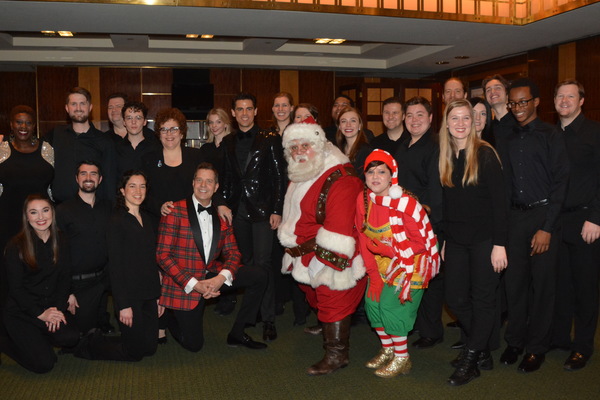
{"x":176,"y":115}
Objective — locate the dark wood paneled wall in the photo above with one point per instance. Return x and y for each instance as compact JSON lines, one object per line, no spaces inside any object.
{"x":263,"y":84}
{"x":53,"y":84}
{"x":543,"y":70}
{"x":156,"y":89}
{"x":16,"y":88}
{"x":588,"y":62}
{"x":317,"y":88}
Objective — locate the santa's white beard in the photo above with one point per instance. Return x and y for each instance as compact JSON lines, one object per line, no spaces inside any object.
{"x":303,"y":171}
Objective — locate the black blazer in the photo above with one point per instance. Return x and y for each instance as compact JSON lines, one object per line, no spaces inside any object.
{"x":262,"y":184}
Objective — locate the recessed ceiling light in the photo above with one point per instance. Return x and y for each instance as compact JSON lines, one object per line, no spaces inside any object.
{"x":191,"y":36}
{"x":442,"y":62}
{"x":329,"y":41}
{"x":207,"y":36}
{"x":48,"y":33}
{"x":462,"y":57}
{"x":65,"y":33}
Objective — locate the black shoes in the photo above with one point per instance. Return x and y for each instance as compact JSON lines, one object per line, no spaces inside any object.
{"x":467,"y":369}
{"x":531,"y":362}
{"x":458,"y":345}
{"x":269,"y":331}
{"x":225,"y":306}
{"x":510,"y":355}
{"x":453,"y":324}
{"x":485,"y":361}
{"x":426,"y":342}
{"x":576,"y":361}
{"x":245,"y":341}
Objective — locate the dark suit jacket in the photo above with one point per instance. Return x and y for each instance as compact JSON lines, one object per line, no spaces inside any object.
{"x":179,"y":254}
{"x":262,"y":184}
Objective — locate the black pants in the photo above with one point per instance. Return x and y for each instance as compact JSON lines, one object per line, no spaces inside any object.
{"x":577,"y":286}
{"x":255,"y":241}
{"x":89,"y":293}
{"x":187,"y":327}
{"x":30,"y":343}
{"x":530,"y":283}
{"x":471,"y":289}
{"x":429,"y":316}
{"x":135,"y":343}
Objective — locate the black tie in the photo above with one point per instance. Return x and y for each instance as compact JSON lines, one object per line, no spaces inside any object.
{"x":208,"y":209}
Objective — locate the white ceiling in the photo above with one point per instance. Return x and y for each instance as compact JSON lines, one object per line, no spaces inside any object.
{"x":379,"y":46}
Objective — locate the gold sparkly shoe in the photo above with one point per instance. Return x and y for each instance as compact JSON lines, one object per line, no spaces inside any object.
{"x":398,"y":365}
{"x":384,"y":356}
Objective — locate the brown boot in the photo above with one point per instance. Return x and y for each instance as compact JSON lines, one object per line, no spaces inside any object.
{"x":336,"y":342}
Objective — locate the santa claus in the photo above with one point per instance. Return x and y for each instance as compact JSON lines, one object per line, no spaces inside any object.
{"x":318,"y":232}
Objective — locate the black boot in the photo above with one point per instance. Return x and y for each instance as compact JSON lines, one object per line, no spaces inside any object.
{"x":485,"y":362}
{"x":467,"y":369}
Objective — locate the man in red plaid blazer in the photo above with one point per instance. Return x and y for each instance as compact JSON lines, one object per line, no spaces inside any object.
{"x":200,"y":258}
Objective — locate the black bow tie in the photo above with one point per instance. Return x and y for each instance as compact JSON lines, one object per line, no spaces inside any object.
{"x":208,"y":209}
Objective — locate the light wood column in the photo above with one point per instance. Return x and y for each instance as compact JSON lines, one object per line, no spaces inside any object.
{"x":89,"y":78}
{"x":567,"y":61}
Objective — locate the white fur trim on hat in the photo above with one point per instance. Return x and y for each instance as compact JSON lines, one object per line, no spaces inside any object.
{"x":302,"y":131}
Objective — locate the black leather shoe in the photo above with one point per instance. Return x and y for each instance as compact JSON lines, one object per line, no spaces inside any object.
{"x":225,"y":306}
{"x":510,"y":355}
{"x":269,"y":331}
{"x":531,"y":362}
{"x":107,"y":328}
{"x":162,"y":340}
{"x":245,"y":341}
{"x":576,"y":361}
{"x":485,"y":361}
{"x":458,"y":345}
{"x":453,"y":324}
{"x":426,"y":342}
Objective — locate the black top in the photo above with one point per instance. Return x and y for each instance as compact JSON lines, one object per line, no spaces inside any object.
{"x":502,"y":129}
{"x":85,"y":227}
{"x":582,"y":139}
{"x":21,"y":174}
{"x":70,"y":149}
{"x":255,"y":174}
{"x":475,"y":213}
{"x":214,"y":155}
{"x":384,"y":142}
{"x":33,"y":291}
{"x":132,"y":258}
{"x":418,"y":171}
{"x":169,"y":183}
{"x":538,"y":168}
{"x":130,"y":158}
{"x":359,"y":161}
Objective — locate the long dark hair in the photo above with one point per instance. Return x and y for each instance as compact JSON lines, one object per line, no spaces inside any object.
{"x":361,"y":138}
{"x":25,"y":238}
{"x":124,"y":179}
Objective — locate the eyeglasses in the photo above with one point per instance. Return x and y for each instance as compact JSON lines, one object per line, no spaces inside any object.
{"x":173,"y":130}
{"x":521,"y":103}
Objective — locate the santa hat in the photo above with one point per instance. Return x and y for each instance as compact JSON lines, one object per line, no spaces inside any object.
{"x":395,"y":191}
{"x":307,"y":130}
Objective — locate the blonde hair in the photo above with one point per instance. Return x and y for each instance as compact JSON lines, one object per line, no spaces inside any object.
{"x":448,"y":149}
{"x":219,"y":112}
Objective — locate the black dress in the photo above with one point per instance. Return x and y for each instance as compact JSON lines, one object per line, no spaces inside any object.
{"x":21,"y":174}
{"x":169,"y":183}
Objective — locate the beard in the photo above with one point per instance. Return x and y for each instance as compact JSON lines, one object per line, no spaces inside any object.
{"x":79,"y":118}
{"x":303,"y":171}
{"x":88,"y":189}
